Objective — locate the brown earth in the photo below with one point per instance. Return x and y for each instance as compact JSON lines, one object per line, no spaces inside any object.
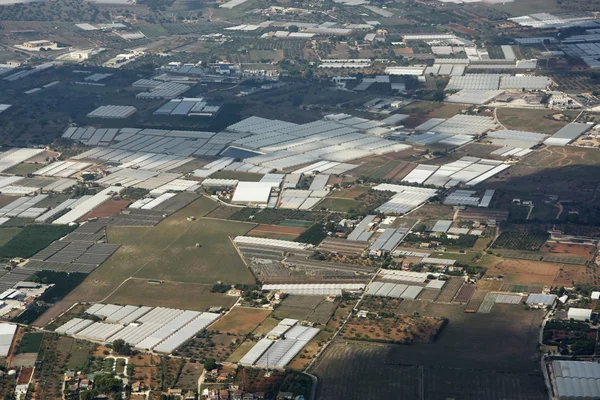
{"x":108,"y":209}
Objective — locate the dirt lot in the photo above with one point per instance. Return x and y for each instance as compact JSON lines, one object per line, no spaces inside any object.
{"x":276,"y":231}
{"x":394,"y":329}
{"x":241,"y":320}
{"x":578,"y":274}
{"x":108,"y":209}
{"x":571,"y":249}
{"x":525,"y":271}
{"x":53,"y":312}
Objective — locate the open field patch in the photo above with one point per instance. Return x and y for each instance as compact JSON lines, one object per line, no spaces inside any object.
{"x":240,"y":320}
{"x":188,"y":296}
{"x":168,"y":252}
{"x":525,"y":271}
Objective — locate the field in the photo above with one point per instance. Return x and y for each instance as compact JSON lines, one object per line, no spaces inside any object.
{"x":476,"y":356}
{"x":525,"y":271}
{"x":521,"y":240}
{"x":30,"y":343}
{"x":338,"y":204}
{"x":311,"y":308}
{"x":392,"y":329}
{"x":371,"y":376}
{"x":210,"y":344}
{"x":276,"y":232}
{"x":108,"y":209}
{"x":239,"y":175}
{"x":530,"y":120}
{"x":240,"y":320}
{"x":277,"y":217}
{"x":8,"y":233}
{"x":570,"y":249}
{"x":188,"y":296}
{"x":33,"y":239}
{"x":168,"y":252}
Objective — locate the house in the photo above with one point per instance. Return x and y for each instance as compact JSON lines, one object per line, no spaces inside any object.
{"x":237,"y":394}
{"x":223,"y":377}
{"x":214,"y":394}
{"x":175,"y":392}
{"x":224,"y":394}
{"x":85,"y":384}
{"x":137,"y":386}
{"x":285,"y":396}
{"x":248,"y":396}
{"x":362,"y":314}
{"x":190,"y":395}
{"x":69,"y":375}
{"x":259,"y":395}
{"x":595,"y":295}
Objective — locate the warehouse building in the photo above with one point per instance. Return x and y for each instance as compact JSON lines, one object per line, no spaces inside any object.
{"x":252,"y":193}
{"x":579,"y":314}
{"x":567,"y":134}
{"x":7,"y":334}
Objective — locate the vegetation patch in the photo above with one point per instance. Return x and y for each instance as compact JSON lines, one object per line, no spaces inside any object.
{"x":274,"y":216}
{"x":521,"y":240}
{"x":33,"y":239}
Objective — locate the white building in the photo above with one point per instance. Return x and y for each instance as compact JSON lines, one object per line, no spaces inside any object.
{"x":579,"y":314}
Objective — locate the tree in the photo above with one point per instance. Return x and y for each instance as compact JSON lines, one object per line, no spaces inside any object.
{"x":210,"y":364}
{"x":121,"y":347}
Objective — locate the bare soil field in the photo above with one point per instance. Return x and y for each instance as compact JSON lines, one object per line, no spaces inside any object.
{"x":393,"y":329}
{"x":108,"y":209}
{"x":240,"y":321}
{"x":570,"y":249}
{"x":276,"y":231}
{"x":525,"y":271}
{"x":52,"y":313}
{"x":577,"y":274}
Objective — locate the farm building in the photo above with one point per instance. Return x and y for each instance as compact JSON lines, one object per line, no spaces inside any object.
{"x":7,"y":333}
{"x":537,"y":300}
{"x":579,"y":314}
{"x":567,"y":134}
{"x":255,"y":193}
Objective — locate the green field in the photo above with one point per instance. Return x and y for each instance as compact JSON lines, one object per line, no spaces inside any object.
{"x":168,"y":252}
{"x":31,"y":343}
{"x":189,"y":296}
{"x":339,"y":205}
{"x":24,"y":169}
{"x":8,"y":233}
{"x":296,"y":223}
{"x":33,"y":239}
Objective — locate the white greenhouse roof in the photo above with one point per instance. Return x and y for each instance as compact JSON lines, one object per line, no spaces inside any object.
{"x":252,"y":193}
